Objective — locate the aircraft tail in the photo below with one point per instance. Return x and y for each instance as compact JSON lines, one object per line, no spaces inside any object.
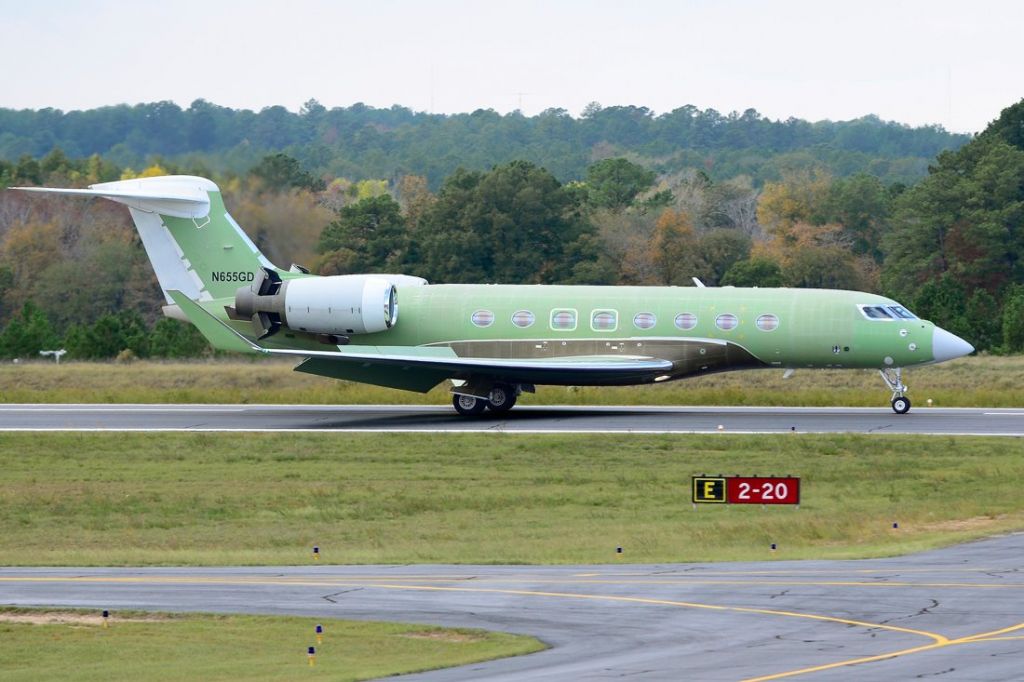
{"x":195,"y":246}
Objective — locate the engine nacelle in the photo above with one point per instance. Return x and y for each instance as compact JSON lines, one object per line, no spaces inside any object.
{"x":337,"y":305}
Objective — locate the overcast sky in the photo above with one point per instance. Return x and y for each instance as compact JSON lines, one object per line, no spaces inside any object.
{"x":952,"y":63}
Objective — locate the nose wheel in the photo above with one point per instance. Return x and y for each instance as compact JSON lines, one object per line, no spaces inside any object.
{"x":901,"y":405}
{"x":893,"y":378}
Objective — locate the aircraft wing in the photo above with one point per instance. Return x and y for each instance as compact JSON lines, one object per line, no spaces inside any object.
{"x":389,"y":363}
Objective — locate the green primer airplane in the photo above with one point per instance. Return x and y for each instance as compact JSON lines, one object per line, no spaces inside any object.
{"x":495,"y":341}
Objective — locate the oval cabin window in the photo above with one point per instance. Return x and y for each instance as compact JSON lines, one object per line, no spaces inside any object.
{"x":563,"y":320}
{"x":604,"y":321}
{"x":522,"y":318}
{"x":726,"y":321}
{"x":767,"y":323}
{"x":686,"y":321}
{"x":645,"y":320}
{"x":482,"y":318}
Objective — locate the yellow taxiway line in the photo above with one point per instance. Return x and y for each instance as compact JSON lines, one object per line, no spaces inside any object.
{"x":938,"y":641}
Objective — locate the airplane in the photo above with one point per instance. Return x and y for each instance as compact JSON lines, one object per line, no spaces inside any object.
{"x":493,"y":342}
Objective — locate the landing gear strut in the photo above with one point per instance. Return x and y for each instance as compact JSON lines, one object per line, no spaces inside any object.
{"x":893,"y":378}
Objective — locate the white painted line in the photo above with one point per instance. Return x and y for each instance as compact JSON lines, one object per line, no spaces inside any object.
{"x":497,"y":430}
{"x":213,"y":408}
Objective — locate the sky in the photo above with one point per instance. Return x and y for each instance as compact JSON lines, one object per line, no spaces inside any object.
{"x":954,"y":64}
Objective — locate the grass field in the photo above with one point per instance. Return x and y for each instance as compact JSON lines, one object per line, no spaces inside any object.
{"x":205,"y":499}
{"x":52,"y":644}
{"x":979,"y":381}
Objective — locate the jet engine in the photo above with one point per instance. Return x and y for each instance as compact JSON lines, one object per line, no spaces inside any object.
{"x":330,"y":307}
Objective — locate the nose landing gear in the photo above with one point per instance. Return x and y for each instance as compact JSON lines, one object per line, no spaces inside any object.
{"x":893,"y":378}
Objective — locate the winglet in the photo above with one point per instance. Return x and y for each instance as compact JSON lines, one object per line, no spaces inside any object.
{"x":220,"y":336}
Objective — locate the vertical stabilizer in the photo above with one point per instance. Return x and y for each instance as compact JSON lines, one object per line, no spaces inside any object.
{"x":195,"y":246}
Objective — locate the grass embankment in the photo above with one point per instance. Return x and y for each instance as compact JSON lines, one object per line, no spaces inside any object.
{"x":206,"y":499}
{"x":969,"y":382}
{"x":60,"y":644}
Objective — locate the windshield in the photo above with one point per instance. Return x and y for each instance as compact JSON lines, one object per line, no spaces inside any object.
{"x":876,"y":312}
{"x":902,"y":313}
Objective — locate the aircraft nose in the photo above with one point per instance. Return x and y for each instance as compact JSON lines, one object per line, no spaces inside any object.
{"x":946,"y":346}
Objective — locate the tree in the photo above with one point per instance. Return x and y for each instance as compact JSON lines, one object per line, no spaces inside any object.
{"x":108,"y":336}
{"x":1013,"y":320}
{"x":673,"y":248}
{"x":615,"y":183}
{"x":372,"y":234}
{"x":280,"y":171}
{"x":754,"y":272}
{"x":27,"y":334}
{"x":718,"y":250}
{"x":512,"y":224}
{"x":175,"y":339}
{"x":944,"y":302}
{"x":861,"y":204}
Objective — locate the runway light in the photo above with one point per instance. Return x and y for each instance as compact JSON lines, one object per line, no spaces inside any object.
{"x":792,"y":429}
{"x":929,"y":402}
{"x":895,"y":524}
{"x":773,"y":546}
{"x":618,"y":550}
{"x":721,"y":427}
{"x":106,"y":617}
{"x":311,"y":653}
{"x":316,"y":553}
{"x":319,"y":634}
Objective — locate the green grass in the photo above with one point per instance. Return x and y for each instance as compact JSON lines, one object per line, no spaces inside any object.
{"x":207,"y":499}
{"x":153,"y":647}
{"x":979,"y":381}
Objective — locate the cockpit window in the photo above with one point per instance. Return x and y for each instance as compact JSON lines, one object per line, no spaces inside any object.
{"x":902,"y":313}
{"x":876,"y":312}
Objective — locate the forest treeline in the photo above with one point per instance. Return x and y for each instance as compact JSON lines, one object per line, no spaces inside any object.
{"x":949,"y":246}
{"x":362,"y":142}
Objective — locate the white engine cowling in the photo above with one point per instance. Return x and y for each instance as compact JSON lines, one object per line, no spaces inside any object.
{"x":331,"y":307}
{"x":340,"y":304}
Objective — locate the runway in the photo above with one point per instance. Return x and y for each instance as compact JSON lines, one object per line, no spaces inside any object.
{"x":956,"y":613}
{"x":522,"y":419}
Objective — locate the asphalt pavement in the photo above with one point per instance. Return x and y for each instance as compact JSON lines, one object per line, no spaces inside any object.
{"x":522,"y":419}
{"x":951,"y":614}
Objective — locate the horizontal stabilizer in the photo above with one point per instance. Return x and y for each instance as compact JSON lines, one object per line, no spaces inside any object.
{"x":220,"y":336}
{"x":180,"y":196}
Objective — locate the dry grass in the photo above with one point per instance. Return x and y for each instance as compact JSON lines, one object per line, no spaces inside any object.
{"x":987,"y":381}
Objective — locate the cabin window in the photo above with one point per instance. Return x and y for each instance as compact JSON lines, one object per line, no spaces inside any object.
{"x":875,"y":312}
{"x":482,"y":318}
{"x":645,"y":320}
{"x":726,"y":321}
{"x":563,"y":320}
{"x":767,"y":323}
{"x":604,"y":320}
{"x":523,"y":318}
{"x":902,"y":312}
{"x":686,"y":321}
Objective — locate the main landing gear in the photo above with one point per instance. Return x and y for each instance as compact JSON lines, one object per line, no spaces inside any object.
{"x":501,"y":399}
{"x":893,"y":378}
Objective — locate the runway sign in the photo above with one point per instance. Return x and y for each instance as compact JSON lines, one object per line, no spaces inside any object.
{"x":763,"y":490}
{"x":746,"y":489}
{"x":709,"y":490}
